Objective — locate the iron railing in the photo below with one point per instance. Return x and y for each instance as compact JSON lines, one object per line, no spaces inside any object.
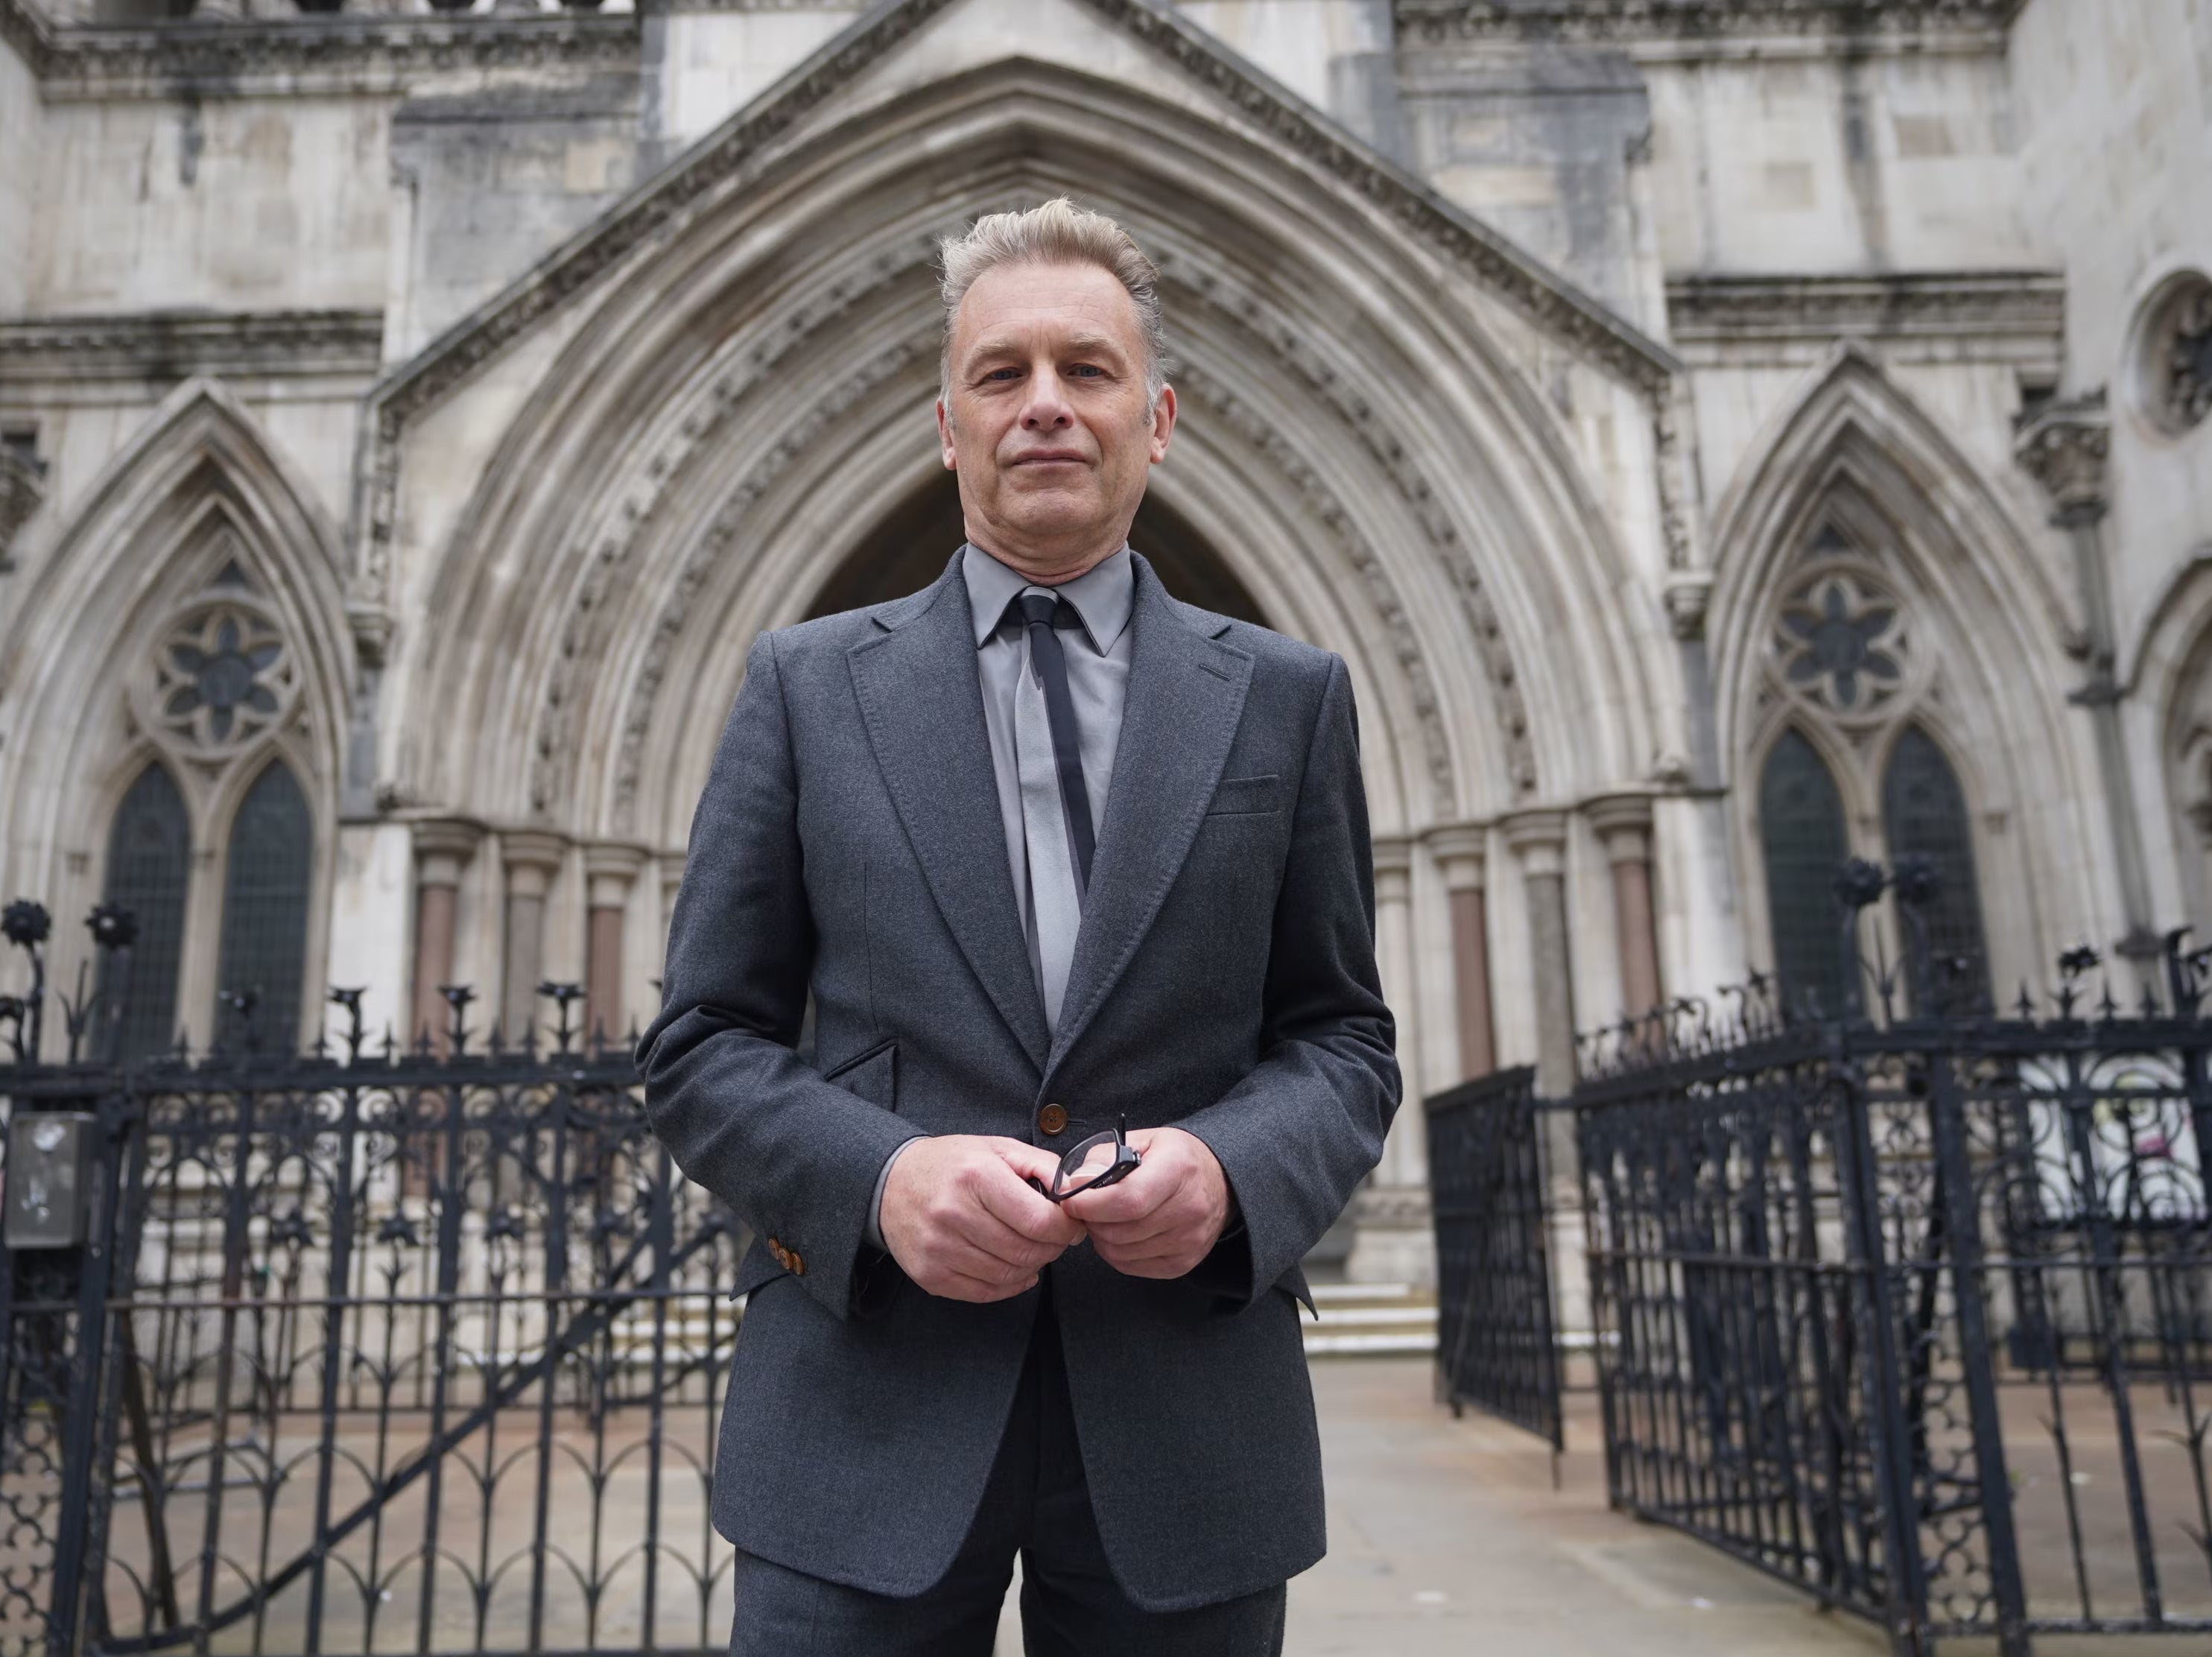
{"x":1910,"y":1309}
{"x":1495,"y":1344}
{"x":371,"y":1350}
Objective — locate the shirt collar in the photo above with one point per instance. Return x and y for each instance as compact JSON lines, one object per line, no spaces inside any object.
{"x":1104,"y":595}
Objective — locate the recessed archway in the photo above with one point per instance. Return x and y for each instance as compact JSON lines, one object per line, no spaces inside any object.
{"x":907,"y":550}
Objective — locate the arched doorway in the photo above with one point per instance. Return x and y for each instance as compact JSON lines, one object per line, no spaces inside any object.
{"x":907,"y":550}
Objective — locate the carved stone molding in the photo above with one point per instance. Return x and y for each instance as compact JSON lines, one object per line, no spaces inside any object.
{"x":1539,"y":839}
{"x":1710,"y":26}
{"x":1622,"y":823}
{"x":661,"y":208}
{"x":339,"y":53}
{"x":2013,"y":315}
{"x":22,"y":490}
{"x":2065,"y":447}
{"x":176,"y":345}
{"x":1462,"y":849}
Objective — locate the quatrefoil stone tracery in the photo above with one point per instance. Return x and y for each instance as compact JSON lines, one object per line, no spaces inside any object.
{"x":221,"y":679}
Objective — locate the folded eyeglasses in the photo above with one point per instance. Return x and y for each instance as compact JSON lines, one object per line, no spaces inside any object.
{"x":1098,"y":1162}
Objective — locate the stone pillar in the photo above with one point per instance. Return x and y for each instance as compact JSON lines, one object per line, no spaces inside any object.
{"x":1460,"y":851}
{"x":2064,"y":446}
{"x":442,"y":850}
{"x":532,"y":858}
{"x":1623,"y":823}
{"x":1538,"y":840}
{"x":1391,"y":1239}
{"x":609,"y":871}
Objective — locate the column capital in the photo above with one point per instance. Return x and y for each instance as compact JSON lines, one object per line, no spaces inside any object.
{"x":443,"y":846}
{"x":532,"y":858}
{"x":1539,"y":839}
{"x":1394,"y":869}
{"x":672,"y":865}
{"x":1462,"y":849}
{"x":2064,"y":446}
{"x":1622,"y":823}
{"x":610,"y":871}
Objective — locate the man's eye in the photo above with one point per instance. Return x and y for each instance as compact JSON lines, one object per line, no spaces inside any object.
{"x":1003,"y":373}
{"x":1087,"y":370}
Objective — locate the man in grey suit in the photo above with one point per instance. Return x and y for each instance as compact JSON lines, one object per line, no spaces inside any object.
{"x":1052,"y":851}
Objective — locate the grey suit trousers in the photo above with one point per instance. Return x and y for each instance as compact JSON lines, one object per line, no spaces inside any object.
{"x":1037,"y":1504}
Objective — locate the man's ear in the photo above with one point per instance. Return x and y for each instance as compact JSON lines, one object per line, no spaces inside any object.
{"x":1164,"y":420}
{"x":951,"y":455}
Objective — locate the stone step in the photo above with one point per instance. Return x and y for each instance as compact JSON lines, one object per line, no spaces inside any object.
{"x":1365,"y":1319}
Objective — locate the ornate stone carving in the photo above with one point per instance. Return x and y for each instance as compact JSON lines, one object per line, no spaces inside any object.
{"x":655,"y":215}
{"x":22,"y":490}
{"x":2065,"y":447}
{"x":220,"y":679}
{"x":1840,"y":643}
{"x":2174,"y":367}
{"x":1702,"y":23}
{"x":2011,"y":314}
{"x":257,"y":344}
{"x":349,"y":53}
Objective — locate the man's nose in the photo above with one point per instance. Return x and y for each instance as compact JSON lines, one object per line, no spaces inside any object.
{"x":1046,"y":410}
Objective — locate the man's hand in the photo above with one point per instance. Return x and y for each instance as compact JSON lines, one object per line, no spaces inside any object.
{"x":1165,"y":1217}
{"x":961,"y":1218}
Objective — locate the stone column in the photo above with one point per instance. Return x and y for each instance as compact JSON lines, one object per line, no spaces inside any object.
{"x":1623,"y":823}
{"x":1538,"y":840}
{"x":532,"y":858}
{"x":1460,"y":851}
{"x":609,"y":871}
{"x":1391,"y":1239}
{"x":2065,"y":447}
{"x":442,"y":850}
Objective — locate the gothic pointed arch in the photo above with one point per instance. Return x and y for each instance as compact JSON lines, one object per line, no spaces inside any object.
{"x":191,"y":614}
{"x":2170,"y":670}
{"x":1358,"y":444}
{"x":1868,"y":583}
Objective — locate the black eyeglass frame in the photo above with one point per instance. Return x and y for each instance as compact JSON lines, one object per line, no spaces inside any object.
{"x":1127,"y":1160}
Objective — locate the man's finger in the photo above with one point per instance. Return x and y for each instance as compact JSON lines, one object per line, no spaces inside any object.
{"x":1016,"y":1204}
{"x":1030,"y":1162}
{"x":1143,"y":1193}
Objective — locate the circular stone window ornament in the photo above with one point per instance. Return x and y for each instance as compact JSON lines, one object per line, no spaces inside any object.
{"x":221,"y":679}
{"x":1840,"y":645}
{"x":2173,"y":353}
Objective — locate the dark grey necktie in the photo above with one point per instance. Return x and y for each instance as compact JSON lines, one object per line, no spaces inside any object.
{"x":1043,"y":615}
{"x":1056,"y":804}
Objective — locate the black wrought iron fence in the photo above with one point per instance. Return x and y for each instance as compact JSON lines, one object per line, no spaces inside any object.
{"x":370,"y":1350}
{"x":1496,"y":1348}
{"x":1911,"y":1309}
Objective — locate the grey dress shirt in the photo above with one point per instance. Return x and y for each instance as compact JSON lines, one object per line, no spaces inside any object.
{"x":1103,"y":596}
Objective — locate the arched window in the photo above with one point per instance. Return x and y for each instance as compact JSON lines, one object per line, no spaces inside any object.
{"x":1924,"y":815}
{"x":264,"y":904}
{"x":1801,"y":817}
{"x":149,"y":849}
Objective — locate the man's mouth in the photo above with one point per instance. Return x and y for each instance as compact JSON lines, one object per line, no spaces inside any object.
{"x":1049,"y":457}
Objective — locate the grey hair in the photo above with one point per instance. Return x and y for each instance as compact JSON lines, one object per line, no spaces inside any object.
{"x":1057,"y":233}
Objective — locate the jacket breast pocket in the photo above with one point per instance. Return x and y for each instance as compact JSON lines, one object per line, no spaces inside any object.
{"x":1244,"y":797}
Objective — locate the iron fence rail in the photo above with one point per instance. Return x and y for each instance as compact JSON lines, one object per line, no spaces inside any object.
{"x":1496,"y":1349}
{"x":401,"y":1352}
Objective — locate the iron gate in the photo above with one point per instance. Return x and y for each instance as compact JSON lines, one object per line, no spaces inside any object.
{"x":1495,"y":1344}
{"x":1911,"y":1311}
{"x":371,"y":1351}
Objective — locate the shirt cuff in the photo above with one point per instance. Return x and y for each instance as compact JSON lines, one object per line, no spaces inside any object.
{"x":874,"y":1233}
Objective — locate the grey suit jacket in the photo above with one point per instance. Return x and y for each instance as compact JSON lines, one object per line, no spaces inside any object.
{"x":849,"y":841}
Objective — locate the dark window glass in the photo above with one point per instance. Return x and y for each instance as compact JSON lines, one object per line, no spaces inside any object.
{"x":150,"y":848}
{"x":1801,"y":818}
{"x":1924,"y":811}
{"x":264,"y":906}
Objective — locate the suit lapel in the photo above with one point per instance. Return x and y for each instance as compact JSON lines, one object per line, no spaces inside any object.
{"x":923,"y":705}
{"x":1186,"y":696}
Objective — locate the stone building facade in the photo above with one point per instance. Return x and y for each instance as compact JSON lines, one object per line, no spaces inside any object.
{"x":1719,"y":435}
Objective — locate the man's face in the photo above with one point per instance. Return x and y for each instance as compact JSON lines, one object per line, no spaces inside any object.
{"x":1045,"y":419}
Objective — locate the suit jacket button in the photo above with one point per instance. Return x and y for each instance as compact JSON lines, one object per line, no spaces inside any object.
{"x":1053,"y":1118}
{"x":797,"y":1265}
